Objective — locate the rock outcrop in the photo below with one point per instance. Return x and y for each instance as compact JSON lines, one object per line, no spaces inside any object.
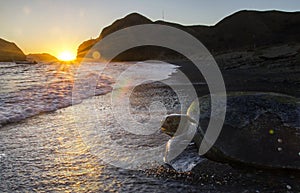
{"x":9,"y":52}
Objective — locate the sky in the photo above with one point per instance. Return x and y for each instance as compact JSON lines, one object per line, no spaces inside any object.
{"x":55,"y":26}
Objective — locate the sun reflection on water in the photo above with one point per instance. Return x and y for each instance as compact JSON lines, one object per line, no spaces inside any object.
{"x":74,"y":168}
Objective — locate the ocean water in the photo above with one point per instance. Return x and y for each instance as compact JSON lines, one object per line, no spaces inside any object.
{"x":28,"y":90}
{"x":51,"y":142}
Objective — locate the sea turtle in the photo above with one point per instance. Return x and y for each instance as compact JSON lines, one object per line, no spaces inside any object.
{"x":260,"y":129}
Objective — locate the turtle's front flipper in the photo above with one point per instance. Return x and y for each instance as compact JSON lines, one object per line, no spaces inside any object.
{"x":187,"y":160}
{"x":183,"y":131}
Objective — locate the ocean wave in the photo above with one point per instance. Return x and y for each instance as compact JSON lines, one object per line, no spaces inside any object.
{"x":28,"y":90}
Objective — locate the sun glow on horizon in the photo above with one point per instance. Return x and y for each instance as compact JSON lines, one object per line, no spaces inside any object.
{"x":66,"y":56}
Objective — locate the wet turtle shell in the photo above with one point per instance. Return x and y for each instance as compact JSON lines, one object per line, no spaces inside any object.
{"x":260,"y":129}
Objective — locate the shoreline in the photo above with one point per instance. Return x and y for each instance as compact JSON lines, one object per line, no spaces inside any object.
{"x":208,"y":176}
{"x":244,"y":80}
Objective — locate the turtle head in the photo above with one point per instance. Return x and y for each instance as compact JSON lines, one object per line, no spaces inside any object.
{"x":171,"y":123}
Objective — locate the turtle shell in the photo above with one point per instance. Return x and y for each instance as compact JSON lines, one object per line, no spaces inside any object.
{"x":260,"y":129}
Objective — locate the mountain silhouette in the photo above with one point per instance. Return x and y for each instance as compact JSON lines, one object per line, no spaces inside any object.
{"x":243,"y":30}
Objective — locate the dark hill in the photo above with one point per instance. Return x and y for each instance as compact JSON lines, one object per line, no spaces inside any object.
{"x":250,"y":29}
{"x":130,"y":20}
{"x":44,"y":57}
{"x":9,"y":52}
{"x":244,"y":30}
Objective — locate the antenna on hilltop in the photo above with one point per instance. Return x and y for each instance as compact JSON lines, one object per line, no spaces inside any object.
{"x":163,"y":15}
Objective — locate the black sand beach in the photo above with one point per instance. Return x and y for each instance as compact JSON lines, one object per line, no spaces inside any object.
{"x":211,"y":176}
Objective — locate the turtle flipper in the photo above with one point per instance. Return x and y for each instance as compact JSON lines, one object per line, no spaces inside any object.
{"x":180,"y":140}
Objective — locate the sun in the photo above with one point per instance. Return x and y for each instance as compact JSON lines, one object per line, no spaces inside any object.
{"x":66,"y":56}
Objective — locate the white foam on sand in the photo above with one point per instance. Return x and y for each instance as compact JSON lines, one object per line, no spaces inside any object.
{"x":145,"y":72}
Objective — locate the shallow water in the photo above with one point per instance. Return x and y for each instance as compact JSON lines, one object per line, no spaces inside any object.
{"x":77,"y":148}
{"x":46,"y":153}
